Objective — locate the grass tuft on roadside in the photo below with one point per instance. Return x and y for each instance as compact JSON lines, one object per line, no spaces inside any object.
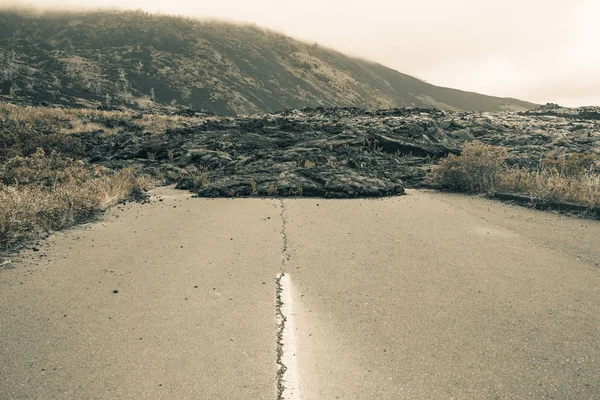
{"x":481,"y":168}
{"x":43,"y":193}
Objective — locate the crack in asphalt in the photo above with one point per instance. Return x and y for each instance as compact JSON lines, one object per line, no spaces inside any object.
{"x":279,"y":316}
{"x":284,"y":256}
{"x":281,"y":310}
{"x":280,"y":320}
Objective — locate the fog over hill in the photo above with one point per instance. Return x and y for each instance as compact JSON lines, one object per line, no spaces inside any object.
{"x":144,"y":61}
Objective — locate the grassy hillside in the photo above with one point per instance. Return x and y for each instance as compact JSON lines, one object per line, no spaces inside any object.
{"x":145,"y":61}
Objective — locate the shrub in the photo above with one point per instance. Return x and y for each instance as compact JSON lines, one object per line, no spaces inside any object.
{"x":475,"y":170}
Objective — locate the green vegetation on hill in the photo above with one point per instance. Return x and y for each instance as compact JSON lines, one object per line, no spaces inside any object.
{"x":143,"y":61}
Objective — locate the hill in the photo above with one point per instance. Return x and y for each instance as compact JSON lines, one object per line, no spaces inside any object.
{"x":144,"y":61}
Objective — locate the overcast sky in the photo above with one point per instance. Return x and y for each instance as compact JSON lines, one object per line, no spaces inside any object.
{"x":537,"y":50}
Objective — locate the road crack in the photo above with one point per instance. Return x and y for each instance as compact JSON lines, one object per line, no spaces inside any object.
{"x":284,"y":249}
{"x":287,"y":374}
{"x":280,"y":320}
{"x":279,"y":316}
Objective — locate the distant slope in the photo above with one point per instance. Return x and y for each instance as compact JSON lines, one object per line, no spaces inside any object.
{"x":140,"y":60}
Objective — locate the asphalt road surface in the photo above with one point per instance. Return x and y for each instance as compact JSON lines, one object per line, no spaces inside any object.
{"x":424,"y":296}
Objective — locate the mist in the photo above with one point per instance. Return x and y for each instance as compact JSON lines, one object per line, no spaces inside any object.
{"x":537,"y":50}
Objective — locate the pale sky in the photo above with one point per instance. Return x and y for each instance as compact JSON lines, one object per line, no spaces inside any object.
{"x":537,"y":50}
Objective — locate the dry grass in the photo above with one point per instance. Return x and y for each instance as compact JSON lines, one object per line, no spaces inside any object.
{"x":272,"y":190}
{"x":547,"y":184}
{"x":68,"y":119}
{"x":57,"y":119}
{"x":40,"y":194}
{"x":26,"y":128}
{"x":481,"y":168}
{"x":82,"y":126}
{"x":203,"y":178}
{"x":309,"y":164}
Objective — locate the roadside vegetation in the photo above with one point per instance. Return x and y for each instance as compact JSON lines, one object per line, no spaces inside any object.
{"x":44,"y":184}
{"x":44,"y":193}
{"x":481,"y":168}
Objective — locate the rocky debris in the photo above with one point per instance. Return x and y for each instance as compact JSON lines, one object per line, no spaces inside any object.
{"x":337,"y":152}
{"x":582,"y":113}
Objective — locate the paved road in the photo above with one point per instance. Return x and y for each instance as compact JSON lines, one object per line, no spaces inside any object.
{"x":425,"y":296}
